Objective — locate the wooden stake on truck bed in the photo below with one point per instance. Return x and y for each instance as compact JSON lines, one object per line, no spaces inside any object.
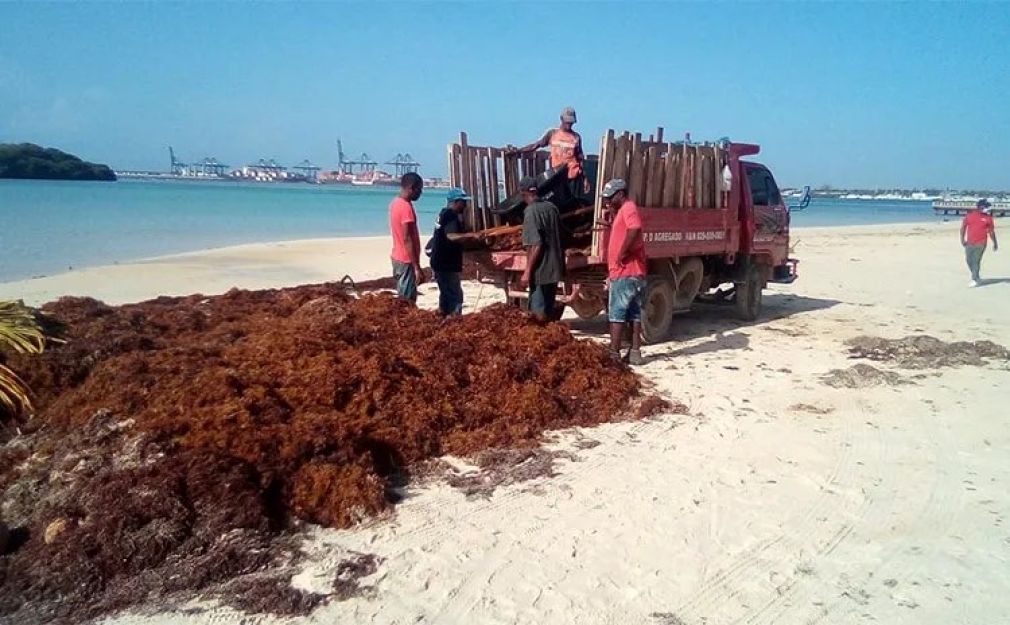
{"x":636,"y":177}
{"x":669,"y":197}
{"x":604,"y":172}
{"x":492,"y":154}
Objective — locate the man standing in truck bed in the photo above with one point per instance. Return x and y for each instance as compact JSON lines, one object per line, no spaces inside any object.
{"x":566,"y":149}
{"x":545,"y":260}
{"x":626,"y":269}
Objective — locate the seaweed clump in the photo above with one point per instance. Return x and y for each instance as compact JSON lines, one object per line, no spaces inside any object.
{"x":178,"y":441}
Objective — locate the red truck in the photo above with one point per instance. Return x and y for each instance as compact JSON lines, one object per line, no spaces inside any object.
{"x":714,"y":225}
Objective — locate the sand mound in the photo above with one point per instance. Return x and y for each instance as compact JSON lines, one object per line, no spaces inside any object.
{"x":176,"y":439}
{"x":926,"y":352}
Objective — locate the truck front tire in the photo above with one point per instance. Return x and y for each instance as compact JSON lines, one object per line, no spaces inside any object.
{"x":748,"y":294}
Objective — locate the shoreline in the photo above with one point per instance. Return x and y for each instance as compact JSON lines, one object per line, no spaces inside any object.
{"x":283,"y":263}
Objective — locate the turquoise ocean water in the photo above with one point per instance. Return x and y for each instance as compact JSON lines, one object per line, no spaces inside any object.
{"x":48,"y":227}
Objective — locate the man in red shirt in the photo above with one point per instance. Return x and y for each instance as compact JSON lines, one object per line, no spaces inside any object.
{"x":626,"y":269}
{"x":406,"y":254}
{"x":976,"y":227}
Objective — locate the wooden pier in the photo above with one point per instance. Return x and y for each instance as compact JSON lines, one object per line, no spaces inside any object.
{"x":961,"y":207}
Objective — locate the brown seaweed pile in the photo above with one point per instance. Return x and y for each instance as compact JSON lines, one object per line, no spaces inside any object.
{"x":926,"y":352}
{"x":862,"y":376}
{"x":177,"y":440}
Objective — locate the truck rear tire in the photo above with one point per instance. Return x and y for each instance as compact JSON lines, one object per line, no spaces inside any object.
{"x":586,"y":307}
{"x":657,"y":310}
{"x":748,"y":294}
{"x":690,"y":273}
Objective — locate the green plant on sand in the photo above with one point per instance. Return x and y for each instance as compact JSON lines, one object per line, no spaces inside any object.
{"x":19,"y":332}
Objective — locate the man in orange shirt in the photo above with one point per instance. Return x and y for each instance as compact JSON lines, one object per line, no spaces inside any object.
{"x":406,"y":255}
{"x":976,"y":227}
{"x":626,"y":269}
{"x":566,"y":149}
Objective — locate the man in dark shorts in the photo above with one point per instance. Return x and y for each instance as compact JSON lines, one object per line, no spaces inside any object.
{"x":447,"y":254}
{"x":545,"y":260}
{"x":626,"y":269}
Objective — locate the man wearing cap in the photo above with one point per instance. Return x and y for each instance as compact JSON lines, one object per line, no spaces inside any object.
{"x":626,"y":269}
{"x":545,"y":260}
{"x":447,"y":254}
{"x":565,"y":145}
{"x":406,"y":254}
{"x":976,"y":227}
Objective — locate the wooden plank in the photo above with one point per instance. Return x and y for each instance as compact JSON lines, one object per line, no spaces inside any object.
{"x":685,"y":177}
{"x":606,"y":169}
{"x":720,"y":163}
{"x":512,"y":181}
{"x":474,"y":191}
{"x":668,"y":199}
{"x":506,"y":166}
{"x":604,"y":172}
{"x":702,"y":178}
{"x":452,"y":164}
{"x":636,"y":164}
{"x":621,"y":157}
{"x":482,"y":173}
{"x":699,"y":182}
{"x":492,"y":158}
{"x":464,"y":169}
{"x":478,"y":191}
{"x":657,"y":178}
{"x":649,"y":183}
{"x":485,"y":183}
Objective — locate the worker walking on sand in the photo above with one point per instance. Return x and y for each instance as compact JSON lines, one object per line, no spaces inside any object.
{"x":406,"y":255}
{"x":447,"y":255}
{"x":566,"y":149}
{"x":626,"y":269}
{"x":976,"y":227}
{"x":545,"y":261}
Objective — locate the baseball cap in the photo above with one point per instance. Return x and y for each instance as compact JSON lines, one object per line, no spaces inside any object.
{"x":613,"y":187}
{"x":528,"y":183}
{"x":568,"y":115}
{"x":983,"y":203}
{"x":457,"y":194}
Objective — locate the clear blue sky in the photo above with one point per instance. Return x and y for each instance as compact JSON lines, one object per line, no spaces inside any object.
{"x":865,"y":94}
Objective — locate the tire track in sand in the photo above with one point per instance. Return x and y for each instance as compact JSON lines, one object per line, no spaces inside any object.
{"x":720,"y":590}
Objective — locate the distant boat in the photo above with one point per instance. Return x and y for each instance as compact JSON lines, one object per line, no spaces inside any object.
{"x":961,"y":206}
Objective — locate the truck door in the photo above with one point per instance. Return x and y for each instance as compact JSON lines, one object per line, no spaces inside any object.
{"x":771,"y":218}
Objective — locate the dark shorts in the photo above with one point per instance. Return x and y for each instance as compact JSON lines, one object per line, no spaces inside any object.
{"x":626,"y":299}
{"x":542,"y":298}
{"x":406,"y":283}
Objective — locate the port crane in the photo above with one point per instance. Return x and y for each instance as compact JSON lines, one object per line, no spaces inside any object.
{"x":365,"y":164}
{"x":310,"y":171}
{"x":404,"y":163}
{"x":177,"y":166}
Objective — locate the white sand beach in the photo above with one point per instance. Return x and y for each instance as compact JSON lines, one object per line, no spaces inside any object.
{"x":777,"y":499}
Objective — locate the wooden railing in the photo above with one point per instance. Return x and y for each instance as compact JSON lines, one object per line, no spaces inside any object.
{"x":489,"y":176}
